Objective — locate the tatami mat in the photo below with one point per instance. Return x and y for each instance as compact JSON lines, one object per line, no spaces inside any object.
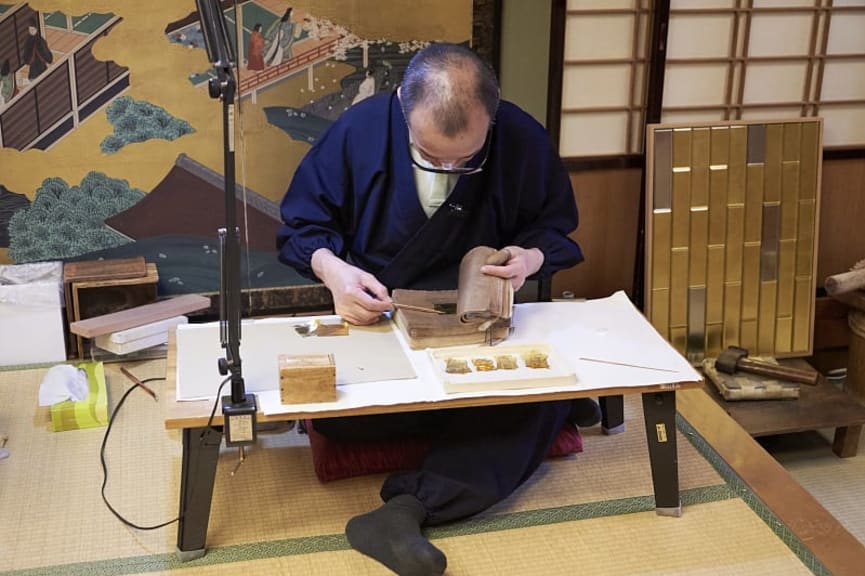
{"x":591,"y":513}
{"x":838,"y":483}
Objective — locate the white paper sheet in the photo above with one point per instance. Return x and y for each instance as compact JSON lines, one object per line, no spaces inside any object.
{"x":606,"y":329}
{"x":366,"y":356}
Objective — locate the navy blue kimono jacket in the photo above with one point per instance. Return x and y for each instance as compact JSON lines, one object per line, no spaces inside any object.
{"x":354,"y":193}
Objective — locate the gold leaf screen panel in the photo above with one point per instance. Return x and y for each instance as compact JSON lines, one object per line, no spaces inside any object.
{"x":732,"y":212}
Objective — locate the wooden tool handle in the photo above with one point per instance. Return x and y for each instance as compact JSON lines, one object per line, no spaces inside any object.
{"x":417,"y":308}
{"x":809,"y":377}
{"x":845,"y":282}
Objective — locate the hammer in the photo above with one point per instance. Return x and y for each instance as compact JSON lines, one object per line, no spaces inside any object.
{"x":735,"y":359}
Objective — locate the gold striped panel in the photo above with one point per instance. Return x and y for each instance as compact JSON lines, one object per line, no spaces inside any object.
{"x":733,"y":236}
{"x":808,"y":161}
{"x":719,"y":145}
{"x":784,"y":335}
{"x":750,"y":280}
{"x":718,"y":205}
{"x":696,"y":323}
{"x":786,"y":277}
{"x":661,"y":246}
{"x":700,"y":167}
{"x":766,"y":325}
{"x":661,"y":311}
{"x":737,"y":163}
{"x":748,"y":337}
{"x":679,"y":339}
{"x":682,"y":148}
{"x":662,"y":177}
{"x":732,"y":314}
{"x":715,"y":285}
{"x":679,"y":288}
{"x":769,"y":241}
{"x":681,"y":208}
{"x":805,"y":238}
{"x":790,"y":199}
{"x":756,"y":143}
{"x":754,"y":203}
{"x":698,"y":245}
{"x":772,"y":166}
{"x":802,"y":314}
{"x":714,"y":340}
{"x":792,"y":142}
{"x":735,"y":242}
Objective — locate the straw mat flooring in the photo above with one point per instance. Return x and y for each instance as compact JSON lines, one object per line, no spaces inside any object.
{"x":838,"y":483}
{"x":592,"y":513}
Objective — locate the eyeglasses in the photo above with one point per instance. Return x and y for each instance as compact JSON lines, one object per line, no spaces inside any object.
{"x":465,"y":170}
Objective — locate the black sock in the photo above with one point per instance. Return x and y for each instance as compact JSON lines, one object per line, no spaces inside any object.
{"x":392,"y":535}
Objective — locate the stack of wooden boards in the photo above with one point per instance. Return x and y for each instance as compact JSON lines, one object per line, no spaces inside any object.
{"x":115,"y":303}
{"x":96,"y":287}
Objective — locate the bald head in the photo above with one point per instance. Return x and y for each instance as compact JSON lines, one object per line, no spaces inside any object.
{"x":450,"y":86}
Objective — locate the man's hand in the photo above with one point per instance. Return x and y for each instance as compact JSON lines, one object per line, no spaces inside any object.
{"x":521,"y":264}
{"x":357,"y":295}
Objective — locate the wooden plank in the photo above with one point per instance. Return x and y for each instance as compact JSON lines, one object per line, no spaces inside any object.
{"x":99,"y":296}
{"x":838,"y":550}
{"x":119,"y":268}
{"x":139,"y":315}
{"x":104,"y":269}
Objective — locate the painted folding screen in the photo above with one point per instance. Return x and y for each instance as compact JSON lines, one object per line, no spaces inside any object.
{"x":732,"y":213}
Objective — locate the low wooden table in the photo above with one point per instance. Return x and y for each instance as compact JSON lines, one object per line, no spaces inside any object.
{"x":202,"y":436}
{"x":821,"y":406}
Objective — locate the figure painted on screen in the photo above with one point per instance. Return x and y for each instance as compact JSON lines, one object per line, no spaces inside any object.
{"x":279,"y":39}
{"x":255,"y":49}
{"x":7,"y":83}
{"x":366,"y":87}
{"x":36,"y":53}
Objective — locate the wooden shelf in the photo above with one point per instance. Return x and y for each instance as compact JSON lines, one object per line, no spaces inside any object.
{"x":821,"y":406}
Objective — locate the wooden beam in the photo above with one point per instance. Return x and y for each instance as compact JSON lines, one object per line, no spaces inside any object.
{"x":138,"y":316}
{"x":838,"y":550}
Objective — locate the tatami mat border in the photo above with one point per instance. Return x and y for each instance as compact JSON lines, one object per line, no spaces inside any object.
{"x":336,"y":542}
{"x":743,"y":491}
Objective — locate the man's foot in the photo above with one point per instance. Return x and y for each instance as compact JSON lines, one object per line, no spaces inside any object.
{"x":392,"y":535}
{"x":585,"y":412}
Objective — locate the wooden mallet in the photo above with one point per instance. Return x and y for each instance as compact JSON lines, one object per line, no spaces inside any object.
{"x":735,"y":359}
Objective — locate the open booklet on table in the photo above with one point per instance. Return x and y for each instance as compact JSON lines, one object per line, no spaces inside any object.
{"x":478,"y":311}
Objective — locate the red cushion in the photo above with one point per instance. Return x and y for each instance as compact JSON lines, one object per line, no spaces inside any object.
{"x":336,"y":460}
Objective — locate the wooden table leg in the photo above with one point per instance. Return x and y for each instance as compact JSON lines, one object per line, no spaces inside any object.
{"x":659,"y":412}
{"x":846,"y":441}
{"x":198,"y":473}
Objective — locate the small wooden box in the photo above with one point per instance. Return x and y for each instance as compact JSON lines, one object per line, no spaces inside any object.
{"x":95,"y":297}
{"x":305,"y":378}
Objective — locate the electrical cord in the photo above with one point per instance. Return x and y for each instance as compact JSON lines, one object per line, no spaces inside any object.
{"x":215,"y":404}
{"x":105,"y":442}
{"x":105,"y":466}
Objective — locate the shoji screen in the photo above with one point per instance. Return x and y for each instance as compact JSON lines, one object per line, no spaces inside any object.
{"x":603,"y":83}
{"x":768,"y":59}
